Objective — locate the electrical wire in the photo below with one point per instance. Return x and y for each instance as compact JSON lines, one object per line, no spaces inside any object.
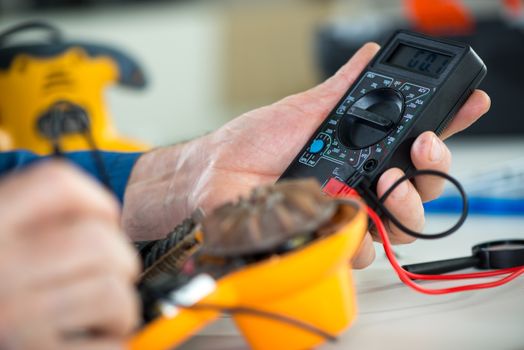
{"x":55,"y":36}
{"x":58,"y":118}
{"x":379,"y":202}
{"x":305,"y":326}
{"x":98,"y":159}
{"x":55,"y":129}
{"x":407,"y":277}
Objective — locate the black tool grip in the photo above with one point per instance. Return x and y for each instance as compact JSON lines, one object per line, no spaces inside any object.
{"x":442,"y":266}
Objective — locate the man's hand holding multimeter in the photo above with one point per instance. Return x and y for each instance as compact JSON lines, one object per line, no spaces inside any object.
{"x":414,"y":84}
{"x":257,"y":147}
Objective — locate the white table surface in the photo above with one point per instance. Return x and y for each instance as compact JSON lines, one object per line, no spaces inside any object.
{"x":392,"y":316}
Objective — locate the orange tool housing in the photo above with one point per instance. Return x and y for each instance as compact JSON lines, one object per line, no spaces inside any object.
{"x":312,"y":284}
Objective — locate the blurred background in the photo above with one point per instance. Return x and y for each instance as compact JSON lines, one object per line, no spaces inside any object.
{"x":209,"y":60}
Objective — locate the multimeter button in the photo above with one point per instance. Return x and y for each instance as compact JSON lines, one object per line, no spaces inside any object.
{"x":316,"y":146}
{"x":371,"y":118}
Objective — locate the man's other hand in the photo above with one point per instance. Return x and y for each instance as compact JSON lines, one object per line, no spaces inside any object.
{"x":67,"y":271}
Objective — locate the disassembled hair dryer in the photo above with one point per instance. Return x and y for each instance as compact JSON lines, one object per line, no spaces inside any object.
{"x":269,"y":260}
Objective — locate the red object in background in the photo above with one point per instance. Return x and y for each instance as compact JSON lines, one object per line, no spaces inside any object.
{"x":440,"y":17}
{"x":515,"y":7}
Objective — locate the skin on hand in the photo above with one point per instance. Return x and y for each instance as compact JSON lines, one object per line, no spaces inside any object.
{"x":257,"y":147}
{"x":67,"y":271}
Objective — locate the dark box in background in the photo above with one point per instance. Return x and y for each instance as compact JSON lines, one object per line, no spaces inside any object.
{"x":500,"y":44}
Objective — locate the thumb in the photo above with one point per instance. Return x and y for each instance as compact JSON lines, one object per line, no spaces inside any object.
{"x":321,"y":99}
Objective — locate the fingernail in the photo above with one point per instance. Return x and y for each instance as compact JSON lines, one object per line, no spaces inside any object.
{"x":401,"y":191}
{"x":436,"y":151}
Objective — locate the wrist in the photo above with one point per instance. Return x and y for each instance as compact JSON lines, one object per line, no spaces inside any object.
{"x":162,"y":188}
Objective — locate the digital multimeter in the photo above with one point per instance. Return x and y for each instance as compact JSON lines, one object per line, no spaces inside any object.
{"x":414,"y":84}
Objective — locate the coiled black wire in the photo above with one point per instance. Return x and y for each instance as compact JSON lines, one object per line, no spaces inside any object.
{"x":379,"y":202}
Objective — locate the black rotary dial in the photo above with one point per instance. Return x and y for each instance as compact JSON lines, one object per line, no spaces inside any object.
{"x":371,"y":118}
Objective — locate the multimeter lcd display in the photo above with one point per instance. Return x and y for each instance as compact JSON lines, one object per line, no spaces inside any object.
{"x":419,"y":60}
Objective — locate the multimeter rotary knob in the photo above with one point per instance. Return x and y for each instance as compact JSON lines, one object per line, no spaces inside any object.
{"x":371,"y":118}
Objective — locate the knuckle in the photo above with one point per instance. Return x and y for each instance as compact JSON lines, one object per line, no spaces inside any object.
{"x":134,"y":265}
{"x":107,"y":205}
{"x":126,"y":262}
{"x":86,"y":246}
{"x":388,"y":178}
{"x":365,"y":254}
{"x":361,"y":263}
{"x":398,"y":236}
{"x":57,"y":175}
{"x":434,"y":195}
{"x":406,"y":239}
{"x":102,"y":251}
{"x":111,"y":249}
{"x":431,"y":193}
{"x":121,"y":304}
{"x":68,"y":186}
{"x":98,"y":236}
{"x":445,"y":161}
{"x":60,"y":184}
{"x":86,"y":253}
{"x":113,"y":209}
{"x":131,"y":266}
{"x":448,"y":156}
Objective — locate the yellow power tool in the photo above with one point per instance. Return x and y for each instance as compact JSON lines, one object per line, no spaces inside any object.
{"x":40,"y":80}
